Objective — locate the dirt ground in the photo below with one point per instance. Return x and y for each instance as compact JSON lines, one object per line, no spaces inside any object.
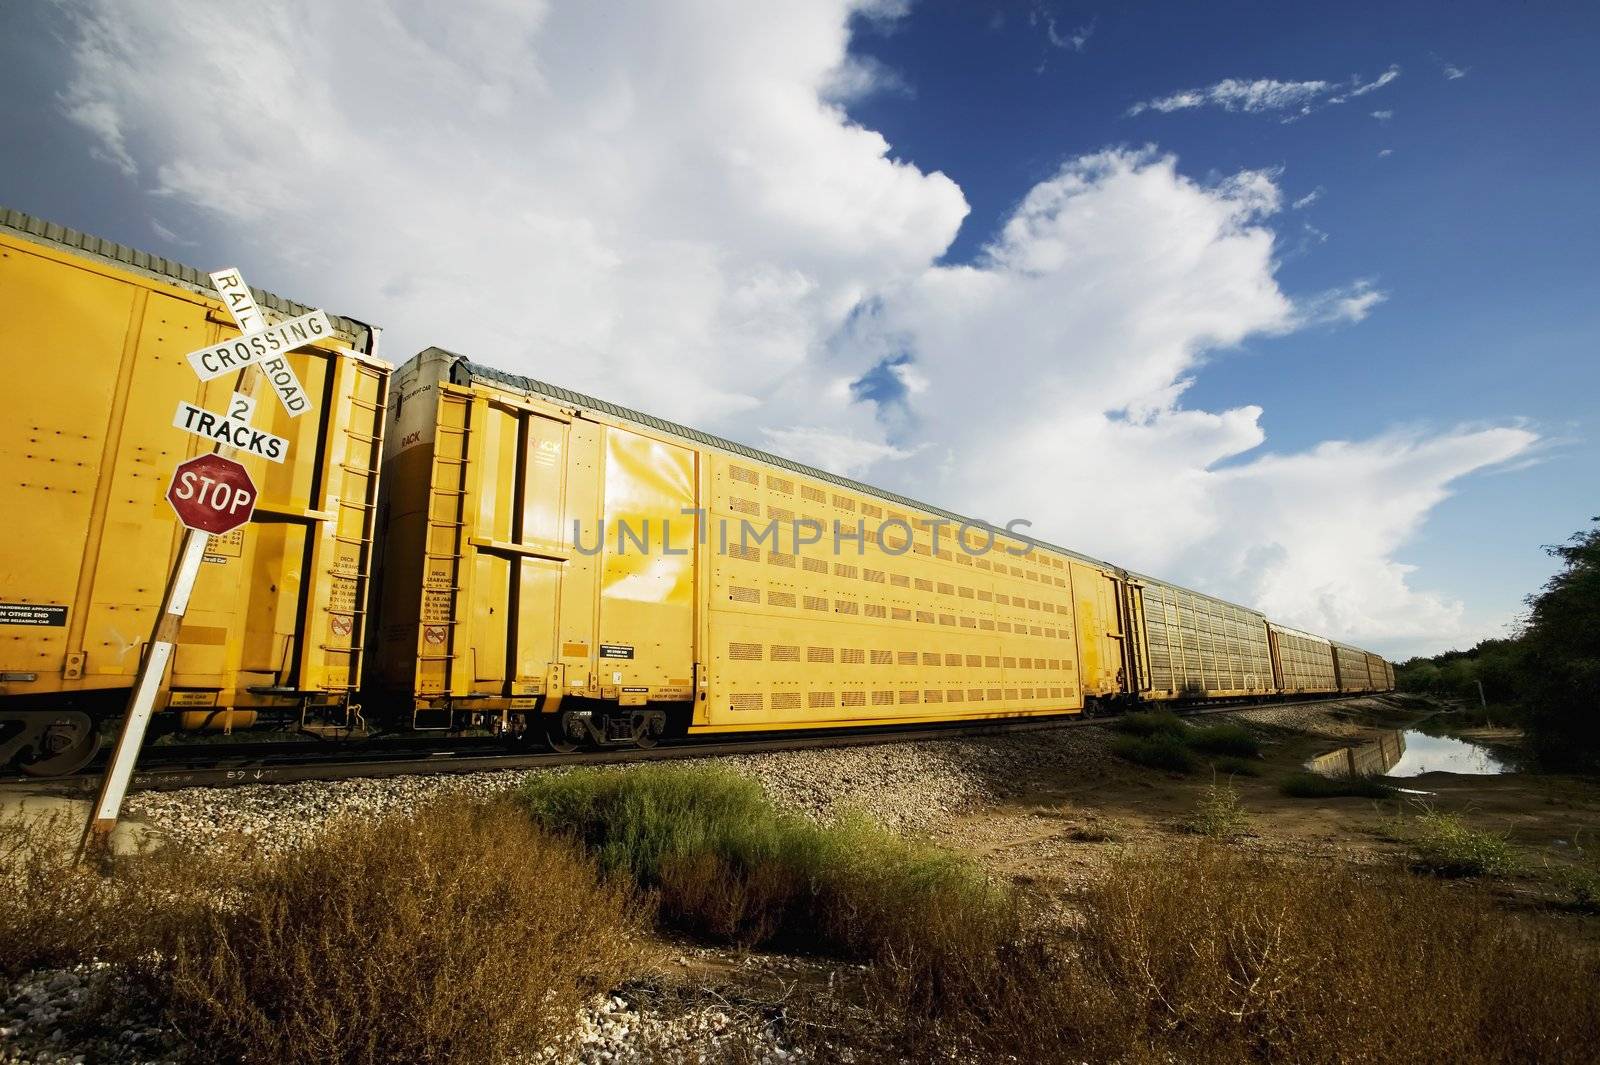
{"x":1054,"y":832}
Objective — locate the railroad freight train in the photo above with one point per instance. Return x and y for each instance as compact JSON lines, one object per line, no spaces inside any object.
{"x":539,"y":563}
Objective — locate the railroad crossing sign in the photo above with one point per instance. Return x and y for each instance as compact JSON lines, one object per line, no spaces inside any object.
{"x":260,"y":344}
{"x":212,"y":494}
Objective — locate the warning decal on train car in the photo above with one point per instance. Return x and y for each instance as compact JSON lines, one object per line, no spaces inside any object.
{"x":32,"y":614}
{"x":614,"y":650}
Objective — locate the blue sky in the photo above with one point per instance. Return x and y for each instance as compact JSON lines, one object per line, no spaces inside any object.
{"x":1268,"y":344}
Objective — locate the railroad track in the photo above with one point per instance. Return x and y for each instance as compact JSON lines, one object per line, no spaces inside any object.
{"x":258,"y":763}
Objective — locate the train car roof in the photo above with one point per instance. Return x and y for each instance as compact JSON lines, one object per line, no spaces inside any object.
{"x":162,"y":269}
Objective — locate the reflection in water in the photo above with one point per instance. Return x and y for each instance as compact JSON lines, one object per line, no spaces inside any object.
{"x":1408,"y":753}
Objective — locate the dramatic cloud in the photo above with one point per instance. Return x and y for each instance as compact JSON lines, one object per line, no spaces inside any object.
{"x":1267,"y":94}
{"x":669,"y":207}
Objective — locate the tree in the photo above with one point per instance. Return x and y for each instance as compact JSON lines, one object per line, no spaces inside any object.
{"x":1560,"y":659}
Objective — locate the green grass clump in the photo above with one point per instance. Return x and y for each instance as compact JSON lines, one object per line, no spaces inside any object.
{"x":1150,"y":723}
{"x":1309,"y":785}
{"x":1445,"y":845}
{"x":1159,"y":751}
{"x":1234,"y":740}
{"x":725,"y":863}
{"x":1219,"y":814}
{"x":1235,"y":767}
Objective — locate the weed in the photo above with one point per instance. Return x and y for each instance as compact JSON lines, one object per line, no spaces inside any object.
{"x":1235,"y":740}
{"x":1151,"y":723}
{"x":1219,"y":814}
{"x":1235,"y":767}
{"x":1444,"y":845}
{"x":727,"y":864}
{"x":1309,"y":785}
{"x":1160,"y":750}
{"x":460,"y":933}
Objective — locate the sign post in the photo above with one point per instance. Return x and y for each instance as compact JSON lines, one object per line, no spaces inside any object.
{"x":211,"y":494}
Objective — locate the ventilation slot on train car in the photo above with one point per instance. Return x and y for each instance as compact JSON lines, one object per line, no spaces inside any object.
{"x":785,"y":652}
{"x":1026,"y":693}
{"x":921,"y":549}
{"x":814,"y":565}
{"x":882,"y":658}
{"x":780,"y":599}
{"x":844,"y":503}
{"x":744,"y":652}
{"x":786,"y":700}
{"x":983,"y":563}
{"x":929,"y":658}
{"x":900,"y":613}
{"x":815,"y":496}
{"x":994,"y":694}
{"x":986,"y":624}
{"x":852,"y":698}
{"x":819,"y":700}
{"x":1055,"y":693}
{"x":780,"y":513}
{"x":925,"y":617}
{"x":739,"y":473}
{"x":989,"y":661}
{"x":874,"y":610}
{"x":969,"y":623}
{"x":744,"y":554}
{"x":908,"y":658}
{"x":819,"y":654}
{"x":924,"y":585}
{"x":744,"y":506}
{"x":852,"y":656}
{"x":842,"y":570}
{"x":899,"y":580}
{"x":778,"y":558}
{"x":876,"y":576}
{"x":975,"y":695}
{"x":813,"y":602}
{"x":845,"y":606}
{"x":932,"y":696}
{"x":883,"y":698}
{"x":780,"y":484}
{"x":947,"y":619}
{"x":744,"y":702}
{"x":871,"y":511}
{"x":910,"y":697}
{"x":953,"y":660}
{"x":744,"y":595}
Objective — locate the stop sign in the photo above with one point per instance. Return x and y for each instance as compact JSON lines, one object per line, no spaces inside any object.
{"x":212,"y":494}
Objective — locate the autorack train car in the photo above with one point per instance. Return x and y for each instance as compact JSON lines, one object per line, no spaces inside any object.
{"x":548,"y":565}
{"x":561,"y":566}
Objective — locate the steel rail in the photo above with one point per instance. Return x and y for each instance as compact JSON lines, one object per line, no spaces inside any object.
{"x":257,"y":769}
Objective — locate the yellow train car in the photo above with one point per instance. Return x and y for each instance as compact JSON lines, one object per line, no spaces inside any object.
{"x":92,"y":339}
{"x":1302,"y":662}
{"x":554,"y":560}
{"x":1350,"y":664}
{"x":1195,"y":646}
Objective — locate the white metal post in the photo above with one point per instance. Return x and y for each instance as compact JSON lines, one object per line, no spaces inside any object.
{"x":142,"y":701}
{"x":247,"y":316}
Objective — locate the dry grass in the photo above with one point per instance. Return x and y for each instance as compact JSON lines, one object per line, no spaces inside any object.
{"x":455,"y":935}
{"x":1218,"y":813}
{"x":1445,"y":845}
{"x":1210,"y":954}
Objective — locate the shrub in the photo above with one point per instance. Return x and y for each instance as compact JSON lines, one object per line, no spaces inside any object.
{"x":1158,"y":751}
{"x":1219,"y":814}
{"x":724,"y":862}
{"x":1151,"y":723}
{"x":1444,"y":845}
{"x":1235,"y":740}
{"x":1309,"y":785}
{"x":458,"y":934}
{"x":1235,"y":767}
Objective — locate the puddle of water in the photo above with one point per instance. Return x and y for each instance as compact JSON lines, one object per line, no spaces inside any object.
{"x":1409,"y":753}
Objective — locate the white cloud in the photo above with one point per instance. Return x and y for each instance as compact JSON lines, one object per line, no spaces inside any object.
{"x":1300,"y":98}
{"x":1383,"y":116}
{"x":1308,"y":199}
{"x":1073,"y":41}
{"x":666,"y":207}
{"x":1384,"y":153}
{"x":1452,"y":72}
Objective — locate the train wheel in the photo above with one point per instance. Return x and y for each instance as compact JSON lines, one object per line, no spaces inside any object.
{"x":64,"y":746}
{"x":556,"y":738}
